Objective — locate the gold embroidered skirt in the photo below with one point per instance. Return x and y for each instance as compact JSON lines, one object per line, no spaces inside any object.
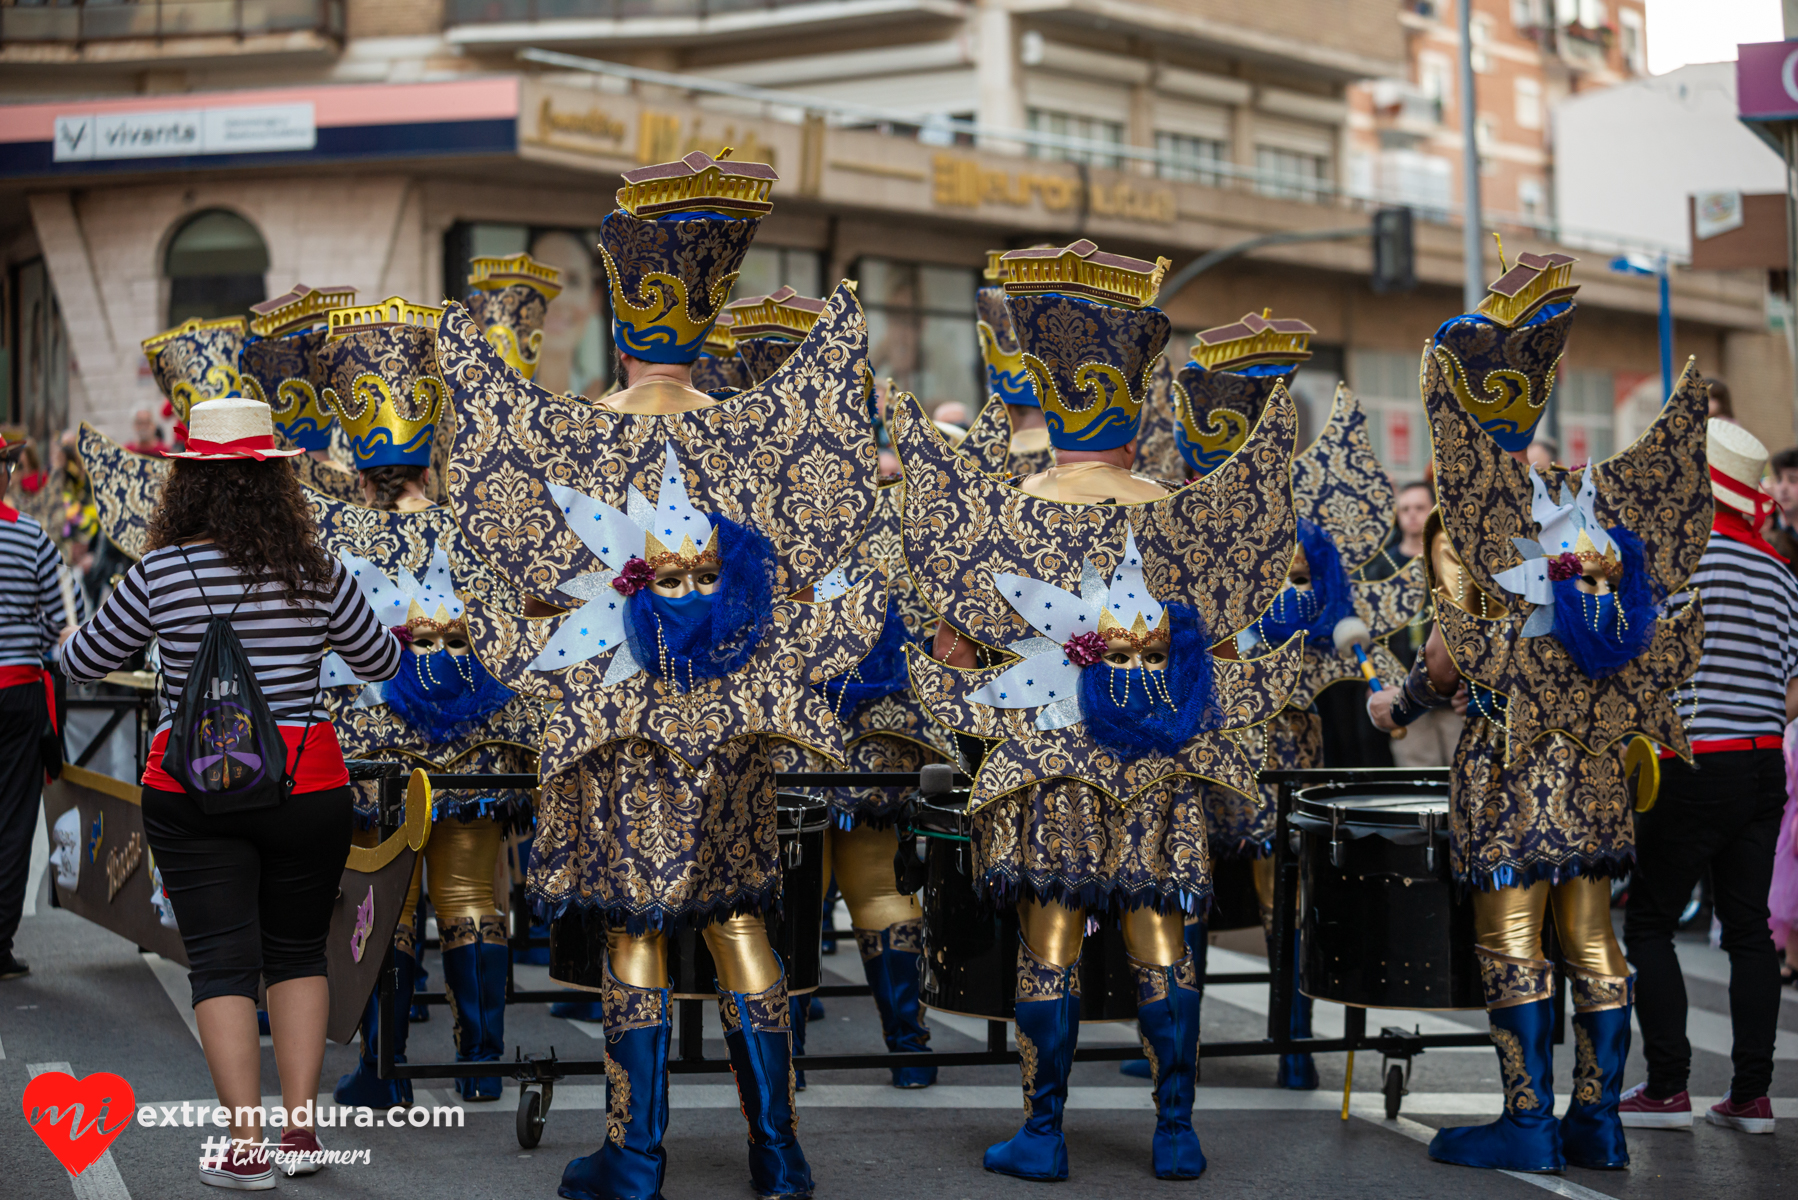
{"x":1243,"y":826}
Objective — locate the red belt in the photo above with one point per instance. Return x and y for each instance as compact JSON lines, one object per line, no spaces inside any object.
{"x":1767,"y":741}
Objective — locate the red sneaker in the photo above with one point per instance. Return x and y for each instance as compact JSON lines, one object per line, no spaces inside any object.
{"x":299,"y":1152}
{"x":1750,"y":1116}
{"x":1639,"y":1111}
{"x":243,"y":1168}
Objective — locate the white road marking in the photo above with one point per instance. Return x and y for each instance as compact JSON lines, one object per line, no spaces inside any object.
{"x":1419,"y":1132}
{"x":101,"y":1180}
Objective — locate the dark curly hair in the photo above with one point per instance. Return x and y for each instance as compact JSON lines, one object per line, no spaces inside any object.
{"x":390,"y":482}
{"x":257,"y":516}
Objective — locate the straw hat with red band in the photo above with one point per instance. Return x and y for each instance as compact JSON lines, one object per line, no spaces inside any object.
{"x":1737,"y":461}
{"x":231,"y":427}
{"x":11,"y":447}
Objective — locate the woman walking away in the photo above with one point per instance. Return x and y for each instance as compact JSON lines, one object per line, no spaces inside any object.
{"x":252,"y":873}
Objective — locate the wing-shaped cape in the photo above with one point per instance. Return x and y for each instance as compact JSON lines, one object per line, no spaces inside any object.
{"x":1221,"y":544}
{"x":1249,"y":692}
{"x":1659,"y":488}
{"x":794,"y":456}
{"x":376,"y":731}
{"x":1157,"y":452}
{"x":1338,"y":482}
{"x":988,"y":441}
{"x":772,"y":694}
{"x":126,"y":488}
{"x":1549,"y":694}
{"x":397,"y":541}
{"x":1386,"y":605}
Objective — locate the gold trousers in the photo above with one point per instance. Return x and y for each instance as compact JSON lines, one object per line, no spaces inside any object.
{"x":1509,"y":921}
{"x":1055,"y":932}
{"x":862,"y":860}
{"x":739,"y":946}
{"x":462,"y":856}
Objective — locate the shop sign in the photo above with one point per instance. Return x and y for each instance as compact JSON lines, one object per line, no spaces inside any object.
{"x":244,"y":129}
{"x":958,"y":182}
{"x":659,"y":136}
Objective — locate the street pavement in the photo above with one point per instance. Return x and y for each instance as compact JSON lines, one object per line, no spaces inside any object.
{"x":94,"y":1003}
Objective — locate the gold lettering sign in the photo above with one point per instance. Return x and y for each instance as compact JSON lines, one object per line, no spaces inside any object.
{"x":664,"y":137}
{"x":589,"y":123}
{"x":963,"y":183}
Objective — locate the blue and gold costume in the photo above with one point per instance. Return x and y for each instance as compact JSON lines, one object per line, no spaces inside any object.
{"x":281,"y":367}
{"x":1024,"y":448}
{"x":1539,"y":803}
{"x":1090,"y":591}
{"x":673,"y":525}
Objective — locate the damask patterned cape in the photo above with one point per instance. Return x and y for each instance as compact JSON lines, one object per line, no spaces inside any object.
{"x":658,"y":806}
{"x":1538,"y":786}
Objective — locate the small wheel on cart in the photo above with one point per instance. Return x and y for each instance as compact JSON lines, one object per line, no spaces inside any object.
{"x":530,"y":1118}
{"x":1394,"y":1091}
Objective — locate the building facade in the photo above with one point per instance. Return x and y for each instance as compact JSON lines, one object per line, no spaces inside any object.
{"x":149,"y":173}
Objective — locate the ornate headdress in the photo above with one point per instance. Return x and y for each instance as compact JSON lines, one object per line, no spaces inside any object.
{"x":380,"y":364}
{"x":718,"y":369}
{"x":280,"y":361}
{"x":767,"y":329}
{"x":1219,"y":394}
{"x":1500,"y":360}
{"x":509,"y":299}
{"x":422,"y":603}
{"x":1006,"y":377}
{"x":1572,"y":542}
{"x":1087,"y":332}
{"x":672,"y":248}
{"x":196,"y":360}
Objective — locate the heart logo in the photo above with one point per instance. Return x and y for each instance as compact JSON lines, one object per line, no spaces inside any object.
{"x":78,"y":1118}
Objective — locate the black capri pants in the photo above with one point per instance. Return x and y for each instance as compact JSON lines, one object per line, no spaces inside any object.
{"x":252,"y":891}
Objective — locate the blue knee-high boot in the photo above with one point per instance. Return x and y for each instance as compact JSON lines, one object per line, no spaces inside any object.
{"x":632,"y":1163}
{"x":362,"y":1087}
{"x":1298,"y":1071}
{"x":1591,"y":1130}
{"x":893,"y":960}
{"x":1520,"y":1006}
{"x":474,"y":980}
{"x":758,"y":1033}
{"x":1197,"y":944}
{"x":1167,"y":1016}
{"x":1048,"y":1020}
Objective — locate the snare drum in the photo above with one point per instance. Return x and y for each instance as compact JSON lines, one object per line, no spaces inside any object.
{"x":971,"y":949}
{"x":577,"y":940}
{"x":1382,"y":925}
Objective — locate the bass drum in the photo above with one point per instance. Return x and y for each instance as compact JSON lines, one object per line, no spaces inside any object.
{"x":577,"y":941}
{"x":1234,"y":903}
{"x":1382,"y":925}
{"x":971,"y":949}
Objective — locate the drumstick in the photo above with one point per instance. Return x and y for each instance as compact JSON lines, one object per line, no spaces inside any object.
{"x":1348,"y":1081}
{"x":1351,"y":633}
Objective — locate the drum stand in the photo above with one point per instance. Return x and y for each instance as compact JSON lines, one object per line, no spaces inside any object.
{"x":537,"y":1074}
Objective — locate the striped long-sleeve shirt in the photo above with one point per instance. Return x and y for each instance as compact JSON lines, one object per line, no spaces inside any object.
{"x":1750,"y":606}
{"x":162,"y":597}
{"x":31,"y":607}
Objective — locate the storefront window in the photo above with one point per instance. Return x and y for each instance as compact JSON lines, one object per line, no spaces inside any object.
{"x":921,"y":330}
{"x":1583,"y":405}
{"x":216,"y":266}
{"x":768,"y":268}
{"x":576,"y":358}
{"x":41,"y":351}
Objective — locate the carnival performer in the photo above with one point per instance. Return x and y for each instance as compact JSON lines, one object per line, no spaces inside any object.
{"x":443,"y":710}
{"x":281,"y":367}
{"x":1550,"y":588}
{"x":1344,"y":502}
{"x":674,"y":525}
{"x":1024,"y":448}
{"x":1111,"y":591}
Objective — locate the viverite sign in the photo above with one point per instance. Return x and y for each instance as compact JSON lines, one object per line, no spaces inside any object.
{"x":176,"y":132}
{"x":1767,"y":81}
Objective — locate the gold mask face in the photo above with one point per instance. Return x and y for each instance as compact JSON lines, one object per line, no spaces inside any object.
{"x":672,"y":580}
{"x":1123,"y":654}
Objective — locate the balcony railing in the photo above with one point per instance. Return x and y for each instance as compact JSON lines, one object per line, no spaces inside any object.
{"x":490,"y":12}
{"x":79,"y":21}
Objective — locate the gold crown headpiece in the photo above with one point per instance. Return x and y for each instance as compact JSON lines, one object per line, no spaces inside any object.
{"x":699,"y":183}
{"x":783,"y":314}
{"x":196,"y":360}
{"x":439,"y":621}
{"x":720,"y":339}
{"x":1139,"y":633}
{"x":301,"y":308}
{"x":1609,"y":563}
{"x":687,"y":556}
{"x":381,"y":361}
{"x":1533,"y":282}
{"x":1256,"y":338}
{"x":1081,"y":269}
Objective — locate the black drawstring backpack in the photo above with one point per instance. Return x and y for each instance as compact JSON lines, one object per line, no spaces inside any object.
{"x":224,"y":747}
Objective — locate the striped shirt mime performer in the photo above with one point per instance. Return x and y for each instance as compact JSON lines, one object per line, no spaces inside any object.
{"x":32,"y":613}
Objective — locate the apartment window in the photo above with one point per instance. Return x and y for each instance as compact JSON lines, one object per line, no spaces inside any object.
{"x":215,"y":265}
{"x":1485,"y":132}
{"x":921,"y":330}
{"x":1527,"y":14}
{"x":1528,"y":94}
{"x":1191,"y":158}
{"x":1480,"y":27}
{"x":1386,"y":382}
{"x":1631,"y":42}
{"x":1435,"y":78}
{"x":1584,"y":404}
{"x":576,"y":358}
{"x":1290,"y":174}
{"x":1530,"y":199}
{"x":1068,"y":125}
{"x":769,"y":268}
